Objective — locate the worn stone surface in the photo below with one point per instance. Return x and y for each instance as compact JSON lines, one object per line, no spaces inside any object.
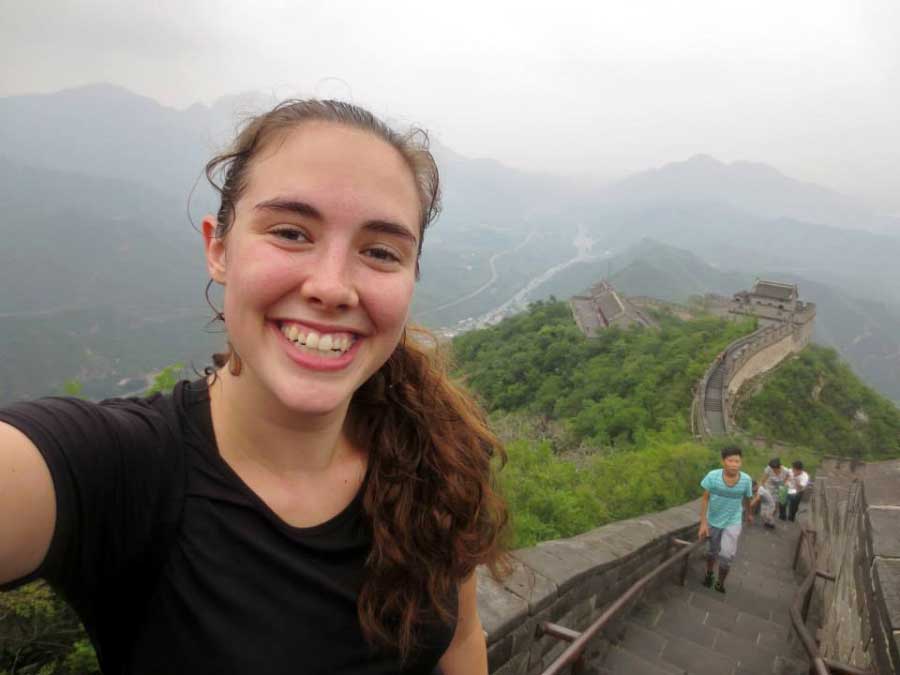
{"x":596,"y":548}
{"x":882,"y":481}
{"x":517,"y":665}
{"x":536,"y":589}
{"x":499,"y":652}
{"x":884,"y":530}
{"x":559,"y":561}
{"x":856,"y":514}
{"x":887,"y":578}
{"x":500,"y":610}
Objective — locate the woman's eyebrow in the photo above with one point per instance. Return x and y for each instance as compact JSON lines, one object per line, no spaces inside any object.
{"x":387,"y":227}
{"x":306,"y":209}
{"x":292,"y":205}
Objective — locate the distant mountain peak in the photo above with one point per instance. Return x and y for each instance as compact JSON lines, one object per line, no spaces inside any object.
{"x":700,"y":160}
{"x":747,"y":187}
{"x":99,"y":88}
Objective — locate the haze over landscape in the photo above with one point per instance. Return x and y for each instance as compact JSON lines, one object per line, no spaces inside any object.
{"x":679,"y":153}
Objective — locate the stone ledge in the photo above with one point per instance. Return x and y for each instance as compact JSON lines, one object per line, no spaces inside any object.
{"x":884,"y":530}
{"x":886,"y":575}
{"x":856,"y":512}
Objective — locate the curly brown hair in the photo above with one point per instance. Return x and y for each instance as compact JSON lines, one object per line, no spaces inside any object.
{"x":431,"y":499}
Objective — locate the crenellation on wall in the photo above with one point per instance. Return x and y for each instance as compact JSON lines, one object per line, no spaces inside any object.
{"x":571,"y":582}
{"x":858,"y":540}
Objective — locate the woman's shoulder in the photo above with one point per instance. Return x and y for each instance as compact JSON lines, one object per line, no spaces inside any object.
{"x":146,"y":426}
{"x":171,"y":408}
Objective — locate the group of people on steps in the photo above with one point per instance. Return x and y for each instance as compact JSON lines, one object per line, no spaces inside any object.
{"x":730,"y":497}
{"x":780,"y":488}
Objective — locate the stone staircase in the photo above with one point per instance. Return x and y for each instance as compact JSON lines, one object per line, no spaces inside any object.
{"x":696,"y":630}
{"x":712,"y":405}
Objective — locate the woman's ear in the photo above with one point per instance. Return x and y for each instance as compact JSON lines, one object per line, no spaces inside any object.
{"x":214,"y":247}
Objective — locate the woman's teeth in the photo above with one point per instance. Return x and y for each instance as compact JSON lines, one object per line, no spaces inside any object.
{"x":327,"y":344}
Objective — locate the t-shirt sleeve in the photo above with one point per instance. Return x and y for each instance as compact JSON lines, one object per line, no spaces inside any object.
{"x":707,"y":481}
{"x":113,"y":465}
{"x":748,"y":487}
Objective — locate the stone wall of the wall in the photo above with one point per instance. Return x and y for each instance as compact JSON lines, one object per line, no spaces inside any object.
{"x":753,"y":355}
{"x":570,"y":582}
{"x":856,"y":516}
{"x":763,"y":359}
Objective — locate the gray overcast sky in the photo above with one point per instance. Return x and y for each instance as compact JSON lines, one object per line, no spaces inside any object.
{"x":597,"y":87}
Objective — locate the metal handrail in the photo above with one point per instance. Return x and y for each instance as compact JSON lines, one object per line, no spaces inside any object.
{"x":574,"y":654}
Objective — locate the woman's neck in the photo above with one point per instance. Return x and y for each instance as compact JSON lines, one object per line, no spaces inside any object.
{"x":251,"y":425}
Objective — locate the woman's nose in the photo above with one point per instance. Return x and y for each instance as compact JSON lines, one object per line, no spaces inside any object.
{"x":329,"y":283}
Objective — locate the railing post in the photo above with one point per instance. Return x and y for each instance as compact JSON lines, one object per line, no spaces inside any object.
{"x":806,"y":598}
{"x":797,"y":551}
{"x":578,"y":667}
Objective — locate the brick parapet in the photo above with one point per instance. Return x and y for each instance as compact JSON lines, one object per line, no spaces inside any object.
{"x":571,"y":582}
{"x":856,"y":515}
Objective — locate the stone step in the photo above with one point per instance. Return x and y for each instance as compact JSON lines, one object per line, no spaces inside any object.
{"x":735,"y":600}
{"x":619,"y":661}
{"x":743,"y":595}
{"x":704,"y":650}
{"x":701,"y":618}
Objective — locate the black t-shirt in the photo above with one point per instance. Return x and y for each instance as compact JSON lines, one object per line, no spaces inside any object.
{"x":177,"y":567}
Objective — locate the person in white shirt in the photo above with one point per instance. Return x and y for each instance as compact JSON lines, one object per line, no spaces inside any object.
{"x":770,"y":486}
{"x":796,"y":484}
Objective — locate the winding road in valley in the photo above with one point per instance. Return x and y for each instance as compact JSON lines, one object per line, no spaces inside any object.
{"x":486,"y":285}
{"x":519,"y":301}
{"x":584,"y":246}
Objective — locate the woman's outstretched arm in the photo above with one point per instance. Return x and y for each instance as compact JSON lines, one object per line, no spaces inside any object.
{"x":27,"y":505}
{"x":467,"y":653}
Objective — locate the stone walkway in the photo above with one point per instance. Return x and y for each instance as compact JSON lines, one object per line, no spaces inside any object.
{"x":692,"y":629}
{"x":712,"y":407}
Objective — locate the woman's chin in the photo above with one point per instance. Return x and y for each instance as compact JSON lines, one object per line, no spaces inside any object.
{"x":312,"y":403}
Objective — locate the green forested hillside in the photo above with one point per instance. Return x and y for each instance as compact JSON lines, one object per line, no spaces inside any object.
{"x":611,"y":390}
{"x":597,"y":430}
{"x":816,"y":400}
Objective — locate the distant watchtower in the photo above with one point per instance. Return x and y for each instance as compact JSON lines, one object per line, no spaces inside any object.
{"x":775,"y":303}
{"x":767,"y":297}
{"x":603,"y":307}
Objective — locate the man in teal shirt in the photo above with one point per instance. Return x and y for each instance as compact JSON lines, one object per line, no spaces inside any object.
{"x":726,"y":496}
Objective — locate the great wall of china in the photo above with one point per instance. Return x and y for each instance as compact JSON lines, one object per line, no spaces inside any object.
{"x":558,"y":589}
{"x":785,"y":328}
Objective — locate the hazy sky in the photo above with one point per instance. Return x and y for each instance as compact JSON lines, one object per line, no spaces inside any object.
{"x":597,"y":87}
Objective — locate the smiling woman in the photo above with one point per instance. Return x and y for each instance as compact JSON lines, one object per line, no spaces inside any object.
{"x":319,"y":501}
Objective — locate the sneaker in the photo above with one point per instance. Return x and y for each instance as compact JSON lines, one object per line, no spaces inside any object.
{"x":719,"y":587}
{"x":708,"y":580}
{"x":769,"y":526}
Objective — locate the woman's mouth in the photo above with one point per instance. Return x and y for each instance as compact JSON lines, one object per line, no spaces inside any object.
{"x":317,"y":343}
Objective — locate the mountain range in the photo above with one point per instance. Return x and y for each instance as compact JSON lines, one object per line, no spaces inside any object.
{"x":99,"y":188}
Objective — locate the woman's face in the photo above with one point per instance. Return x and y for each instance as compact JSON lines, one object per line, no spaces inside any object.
{"x":319,"y":265}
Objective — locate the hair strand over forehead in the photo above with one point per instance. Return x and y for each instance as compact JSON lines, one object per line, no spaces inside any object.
{"x":233,"y":165}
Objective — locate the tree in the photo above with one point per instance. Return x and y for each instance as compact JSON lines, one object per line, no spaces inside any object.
{"x":166,"y":379}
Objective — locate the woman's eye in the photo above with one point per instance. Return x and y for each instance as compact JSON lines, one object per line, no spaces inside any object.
{"x":290,"y":234}
{"x":383,"y":255}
